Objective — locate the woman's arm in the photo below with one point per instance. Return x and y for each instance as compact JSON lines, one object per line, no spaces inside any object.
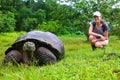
{"x":106,"y":34}
{"x":93,"y":33}
{"x":105,"y":37}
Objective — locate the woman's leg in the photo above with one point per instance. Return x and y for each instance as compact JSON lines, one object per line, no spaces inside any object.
{"x":92,"y":39}
{"x":100,"y":44}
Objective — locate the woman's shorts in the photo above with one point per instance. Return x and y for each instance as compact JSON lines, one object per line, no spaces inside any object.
{"x":106,"y":41}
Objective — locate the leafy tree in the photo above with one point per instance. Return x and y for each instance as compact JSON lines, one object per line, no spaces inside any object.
{"x":115,"y":24}
{"x":73,"y":18}
{"x":51,"y":26}
{"x":40,"y":15}
{"x":23,"y":14}
{"x":7,"y":22}
{"x":29,"y":24}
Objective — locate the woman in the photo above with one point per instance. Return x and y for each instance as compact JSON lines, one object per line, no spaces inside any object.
{"x":98,"y":31}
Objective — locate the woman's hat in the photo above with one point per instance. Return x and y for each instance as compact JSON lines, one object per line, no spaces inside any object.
{"x":97,"y":13}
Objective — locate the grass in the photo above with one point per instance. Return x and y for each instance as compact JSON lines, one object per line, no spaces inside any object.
{"x":79,"y":63}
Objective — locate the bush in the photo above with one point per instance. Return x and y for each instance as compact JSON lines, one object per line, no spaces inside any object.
{"x":51,"y":26}
{"x":29,"y":24}
{"x":115,"y":30}
{"x":7,"y":22}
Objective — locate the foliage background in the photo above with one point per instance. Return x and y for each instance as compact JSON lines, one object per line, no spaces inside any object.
{"x":56,"y":17}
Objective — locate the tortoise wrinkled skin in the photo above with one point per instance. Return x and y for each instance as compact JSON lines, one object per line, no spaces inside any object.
{"x":35,"y":47}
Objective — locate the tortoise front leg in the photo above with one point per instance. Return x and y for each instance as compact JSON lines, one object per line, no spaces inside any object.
{"x":45,"y":56}
{"x":14,"y":57}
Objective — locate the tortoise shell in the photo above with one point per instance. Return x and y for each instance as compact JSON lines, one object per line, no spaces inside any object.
{"x":44,"y":39}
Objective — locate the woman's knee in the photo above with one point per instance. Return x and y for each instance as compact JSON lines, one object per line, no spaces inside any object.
{"x":98,"y":44}
{"x":91,"y":37}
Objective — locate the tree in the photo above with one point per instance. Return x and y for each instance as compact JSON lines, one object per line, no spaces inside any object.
{"x":7,"y":22}
{"x":29,"y":24}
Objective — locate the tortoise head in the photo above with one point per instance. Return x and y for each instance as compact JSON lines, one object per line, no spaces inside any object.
{"x":29,"y":47}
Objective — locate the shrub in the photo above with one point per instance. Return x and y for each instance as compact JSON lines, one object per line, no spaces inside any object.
{"x":29,"y":24}
{"x":51,"y":26}
{"x":7,"y":22}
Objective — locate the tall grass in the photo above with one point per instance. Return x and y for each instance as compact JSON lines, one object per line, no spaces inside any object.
{"x":79,"y":63}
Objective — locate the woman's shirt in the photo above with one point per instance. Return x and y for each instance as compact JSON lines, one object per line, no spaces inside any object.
{"x":99,"y":31}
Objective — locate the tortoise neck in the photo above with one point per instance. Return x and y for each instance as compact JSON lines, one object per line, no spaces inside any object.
{"x":30,"y":54}
{"x":28,"y":57}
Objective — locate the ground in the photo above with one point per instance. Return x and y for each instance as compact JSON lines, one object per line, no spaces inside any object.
{"x":79,"y":63}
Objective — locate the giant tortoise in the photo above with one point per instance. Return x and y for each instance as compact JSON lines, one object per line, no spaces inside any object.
{"x":35,"y":47}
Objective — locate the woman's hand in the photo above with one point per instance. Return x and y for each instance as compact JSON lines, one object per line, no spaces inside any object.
{"x":102,"y":37}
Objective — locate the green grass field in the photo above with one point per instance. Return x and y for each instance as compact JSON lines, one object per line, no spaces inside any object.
{"x":79,"y":63}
